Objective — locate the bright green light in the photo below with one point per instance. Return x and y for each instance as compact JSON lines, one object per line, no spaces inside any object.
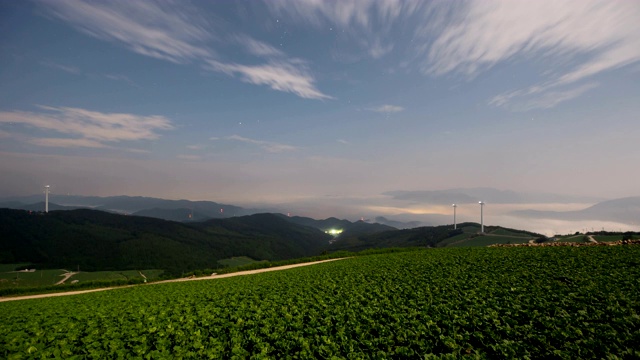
{"x":334,"y":232}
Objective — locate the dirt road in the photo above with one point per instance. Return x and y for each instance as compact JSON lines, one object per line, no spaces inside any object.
{"x":248,"y":272}
{"x":66,"y":277}
{"x":212,"y":277}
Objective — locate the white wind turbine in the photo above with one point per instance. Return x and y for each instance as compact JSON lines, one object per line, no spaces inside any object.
{"x":481,"y":216}
{"x":46,"y":198}
{"x":454,"y":216}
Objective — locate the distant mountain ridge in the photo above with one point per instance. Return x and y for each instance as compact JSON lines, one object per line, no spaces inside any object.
{"x":39,"y":206}
{"x":346,"y":227}
{"x":398,"y":224}
{"x":623,"y":210}
{"x":175,"y":210}
{"x":490,"y":195}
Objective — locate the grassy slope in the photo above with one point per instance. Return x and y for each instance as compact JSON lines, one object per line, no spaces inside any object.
{"x":237,"y":261}
{"x":41,"y":278}
{"x":607,"y":238}
{"x":30,"y":279}
{"x":11,"y":267}
{"x":467,"y":234}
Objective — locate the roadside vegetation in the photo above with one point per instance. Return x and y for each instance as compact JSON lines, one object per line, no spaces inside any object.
{"x":326,"y":256}
{"x":238,"y":261}
{"x":599,"y":236}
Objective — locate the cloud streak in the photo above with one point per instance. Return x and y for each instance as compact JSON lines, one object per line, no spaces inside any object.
{"x":77,"y":71}
{"x":258,"y":48}
{"x":179,"y":34}
{"x":367,"y":22}
{"x":581,"y":38}
{"x":69,"y":69}
{"x":176,"y":34}
{"x":66,"y":143}
{"x":546,"y":100}
{"x":278,"y":75}
{"x":87,"y":128}
{"x":387,"y":109}
{"x":268,"y":146}
{"x":591,"y":37}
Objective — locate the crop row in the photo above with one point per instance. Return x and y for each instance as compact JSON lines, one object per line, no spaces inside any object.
{"x":560,"y":303}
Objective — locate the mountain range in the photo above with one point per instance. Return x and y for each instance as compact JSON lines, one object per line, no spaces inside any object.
{"x":624,"y":210}
{"x":490,"y":195}
{"x":176,"y":210}
{"x":97,"y":240}
{"x":173,"y":210}
{"x":345,"y":228}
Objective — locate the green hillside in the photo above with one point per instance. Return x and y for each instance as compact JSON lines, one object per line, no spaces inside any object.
{"x":100,"y":241}
{"x":346,"y":227}
{"x":266,"y":236}
{"x":466,"y":234}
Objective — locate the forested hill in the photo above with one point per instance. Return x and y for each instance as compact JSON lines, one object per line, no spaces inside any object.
{"x":284,"y":239}
{"x":467,"y":234}
{"x":347,"y":227}
{"x":96,"y":240}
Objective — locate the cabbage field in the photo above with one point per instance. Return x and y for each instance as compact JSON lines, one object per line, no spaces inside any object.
{"x":556,"y":303}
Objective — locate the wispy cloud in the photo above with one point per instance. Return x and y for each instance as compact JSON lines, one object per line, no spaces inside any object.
{"x":257,"y":47}
{"x":87,"y":128}
{"x":592,"y":36}
{"x":66,"y":143}
{"x":343,"y":141}
{"x":278,"y":75}
{"x":189,"y":157}
{"x":387,"y":109}
{"x":172,"y":33}
{"x":117,"y":77}
{"x":519,"y":101}
{"x":77,"y":71}
{"x":279,"y":72}
{"x":366,"y":14}
{"x":65,"y":68}
{"x":377,"y":49}
{"x":178,"y":33}
{"x":268,"y":146}
{"x":368,"y":22}
{"x":198,"y":146}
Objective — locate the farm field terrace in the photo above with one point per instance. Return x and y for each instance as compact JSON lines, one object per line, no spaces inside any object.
{"x":40,"y":278}
{"x":562,"y":303}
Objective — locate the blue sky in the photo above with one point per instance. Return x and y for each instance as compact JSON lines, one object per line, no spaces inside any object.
{"x":319,"y":106}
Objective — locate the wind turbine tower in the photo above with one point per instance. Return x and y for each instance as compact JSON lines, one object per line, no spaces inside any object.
{"x":481,"y":216}
{"x":46,"y":198}
{"x":454,"y":216}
